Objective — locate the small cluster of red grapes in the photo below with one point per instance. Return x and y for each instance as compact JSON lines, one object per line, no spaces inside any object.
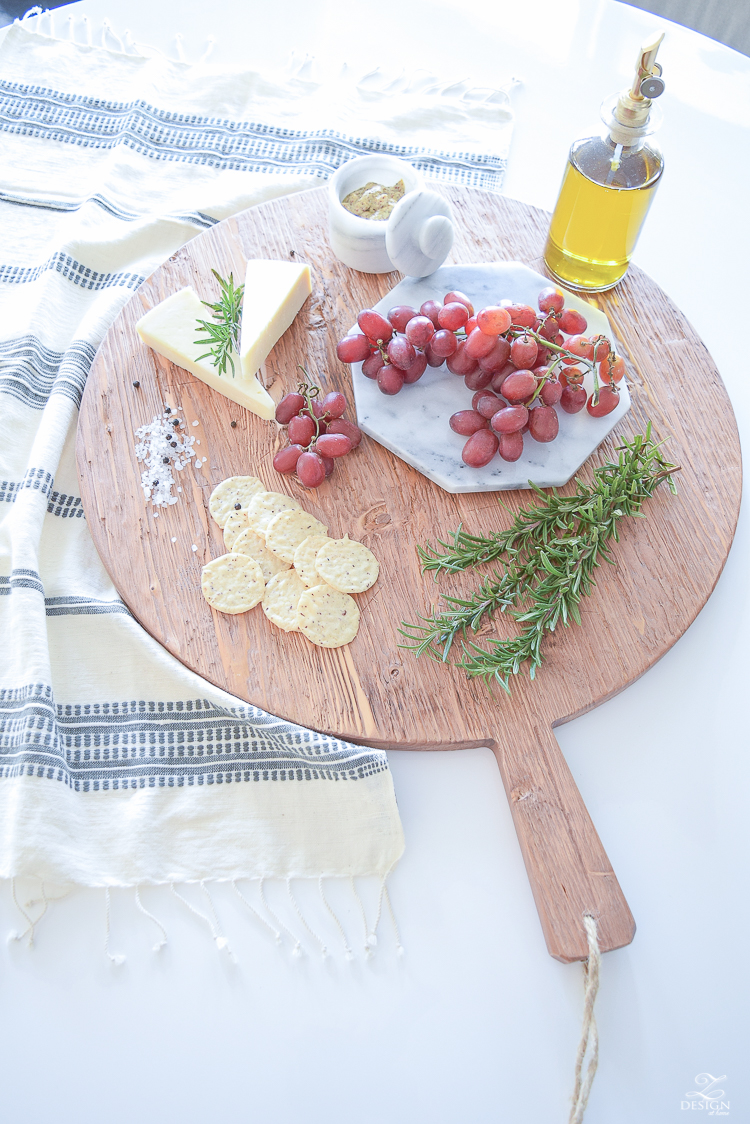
{"x":318,"y":434}
{"x":517,"y":362}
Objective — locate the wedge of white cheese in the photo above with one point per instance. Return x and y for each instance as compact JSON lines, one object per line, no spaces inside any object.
{"x":274,"y":293}
{"x":171,"y":328}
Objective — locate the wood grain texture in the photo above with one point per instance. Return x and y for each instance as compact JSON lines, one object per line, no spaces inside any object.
{"x":372,"y":691}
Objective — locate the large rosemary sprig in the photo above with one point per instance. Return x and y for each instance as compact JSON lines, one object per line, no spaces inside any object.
{"x":224,"y":330}
{"x":552,"y":551}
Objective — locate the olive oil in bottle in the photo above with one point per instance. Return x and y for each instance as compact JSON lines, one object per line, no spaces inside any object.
{"x":608,"y":187}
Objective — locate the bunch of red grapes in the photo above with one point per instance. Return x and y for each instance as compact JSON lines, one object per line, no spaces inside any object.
{"x":517,"y":361}
{"x":318,"y":434}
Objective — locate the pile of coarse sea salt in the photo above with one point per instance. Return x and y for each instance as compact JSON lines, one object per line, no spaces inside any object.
{"x":163,"y":447}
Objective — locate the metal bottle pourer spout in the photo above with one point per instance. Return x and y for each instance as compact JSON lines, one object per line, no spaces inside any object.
{"x":629,"y":118}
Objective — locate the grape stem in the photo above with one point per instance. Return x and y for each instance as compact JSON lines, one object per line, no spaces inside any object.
{"x":309,"y":390}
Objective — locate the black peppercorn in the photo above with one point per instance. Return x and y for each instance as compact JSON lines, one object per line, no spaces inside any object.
{"x":175,"y":421}
{"x":166,"y":460}
{"x":237,"y":506}
{"x":173,"y":444}
{"x":167,"y":409}
{"x":233,"y":424}
{"x":136,"y":383}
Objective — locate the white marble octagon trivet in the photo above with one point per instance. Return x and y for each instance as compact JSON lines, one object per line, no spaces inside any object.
{"x":414,"y":423}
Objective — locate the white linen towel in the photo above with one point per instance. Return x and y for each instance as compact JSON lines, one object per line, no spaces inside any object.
{"x":118,"y":766}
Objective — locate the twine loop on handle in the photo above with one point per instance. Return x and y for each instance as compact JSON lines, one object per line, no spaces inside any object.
{"x":589,"y":1034}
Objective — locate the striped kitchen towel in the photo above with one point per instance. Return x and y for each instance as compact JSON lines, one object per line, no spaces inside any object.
{"x":118,"y":766}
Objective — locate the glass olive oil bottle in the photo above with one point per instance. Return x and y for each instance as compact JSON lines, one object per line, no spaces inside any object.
{"x":608,"y":187}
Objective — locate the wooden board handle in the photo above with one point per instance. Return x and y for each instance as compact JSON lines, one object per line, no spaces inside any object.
{"x":568,"y":868}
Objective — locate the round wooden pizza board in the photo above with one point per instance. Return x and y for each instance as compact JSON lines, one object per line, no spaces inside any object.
{"x":372,"y":691}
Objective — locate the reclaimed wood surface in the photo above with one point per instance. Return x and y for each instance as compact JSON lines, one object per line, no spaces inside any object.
{"x":372,"y":691}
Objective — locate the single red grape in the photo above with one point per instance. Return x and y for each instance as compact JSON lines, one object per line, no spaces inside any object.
{"x":510,"y":445}
{"x":550,"y":329}
{"x":371,"y":366}
{"x":286,"y":459}
{"x":302,"y":429}
{"x":522,"y":315}
{"x":524,"y":352}
{"x":551,"y":300}
{"x":334,"y":404}
{"x":470,"y":325}
{"x":478,"y":379}
{"x":420,"y":330}
{"x":310,"y":470}
{"x":375,"y":326}
{"x":467,"y":422}
{"x":352,"y":431}
{"x":570,"y":376}
{"x":510,"y":419}
{"x":443,"y":343}
{"x":353,"y":349}
{"x":519,"y":386}
{"x":486,"y":394}
{"x":400,"y":315}
{"x":480,"y":448}
{"x":430,"y":309}
{"x":609,"y":399}
{"x":289,"y":405}
{"x":453,"y":316}
{"x":551,"y":392}
{"x":493,"y":320}
{"x":487,"y":404}
{"x":390,"y":379}
{"x":581,"y":346}
{"x":573,"y":399}
{"x":328,"y":464}
{"x":459,"y":298}
{"x":479,"y":344}
{"x":333,"y":445}
{"x":401,"y":353}
{"x":572,"y":323}
{"x":544,"y":424}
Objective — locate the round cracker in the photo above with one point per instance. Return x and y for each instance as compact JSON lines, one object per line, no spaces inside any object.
{"x":249,"y":542}
{"x":288,"y":529}
{"x":347,"y":565}
{"x":327,"y":617}
{"x":264,"y":505}
{"x":236,"y":490}
{"x":281,"y":599}
{"x":236,"y":523}
{"x":304,"y":558}
{"x":232,"y":583}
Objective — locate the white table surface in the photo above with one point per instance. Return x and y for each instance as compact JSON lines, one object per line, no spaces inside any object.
{"x":477,"y":1023}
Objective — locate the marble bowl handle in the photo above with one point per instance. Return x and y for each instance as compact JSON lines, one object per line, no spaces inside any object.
{"x":436,"y":237}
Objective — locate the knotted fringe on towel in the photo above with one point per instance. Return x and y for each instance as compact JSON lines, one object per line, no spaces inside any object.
{"x":118,"y":766}
{"x":326,"y":934}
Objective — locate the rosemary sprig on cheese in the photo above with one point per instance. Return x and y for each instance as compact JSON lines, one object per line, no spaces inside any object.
{"x":224,"y":330}
{"x":552,"y":551}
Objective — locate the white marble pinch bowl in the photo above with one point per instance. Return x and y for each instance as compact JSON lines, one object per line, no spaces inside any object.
{"x":414,"y":423}
{"x":417,"y":237}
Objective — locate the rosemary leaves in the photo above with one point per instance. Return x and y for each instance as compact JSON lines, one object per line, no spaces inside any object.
{"x":551,"y":552}
{"x":223,"y":330}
